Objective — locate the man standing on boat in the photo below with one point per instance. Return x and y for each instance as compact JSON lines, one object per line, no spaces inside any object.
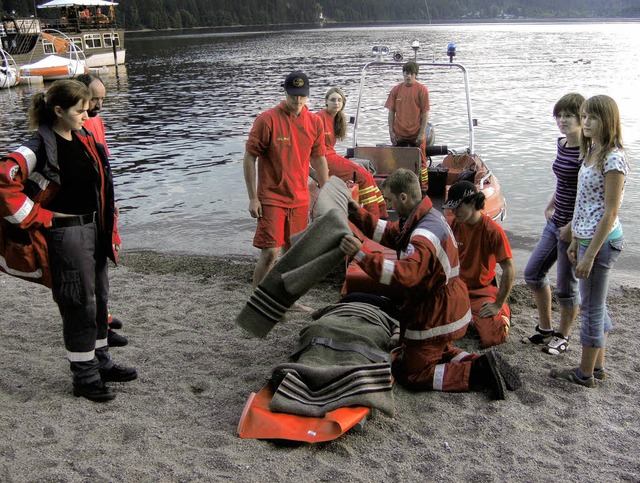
{"x":482,"y":244}
{"x":282,"y":140}
{"x":96,"y":126}
{"x":408,"y":105}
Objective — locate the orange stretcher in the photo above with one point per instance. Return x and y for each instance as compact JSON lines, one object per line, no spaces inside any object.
{"x":258,"y":422}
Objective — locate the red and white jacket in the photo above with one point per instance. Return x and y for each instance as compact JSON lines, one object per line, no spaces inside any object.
{"x":436,"y":306}
{"x":29,"y":180}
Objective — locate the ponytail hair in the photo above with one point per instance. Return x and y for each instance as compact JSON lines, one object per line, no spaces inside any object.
{"x":478,"y":200}
{"x":339,"y":121}
{"x":63,"y":93}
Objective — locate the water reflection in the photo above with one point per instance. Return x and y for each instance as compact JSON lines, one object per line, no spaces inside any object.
{"x":178,"y":116}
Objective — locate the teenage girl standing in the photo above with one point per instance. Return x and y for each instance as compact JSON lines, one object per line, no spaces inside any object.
{"x":597,"y":234}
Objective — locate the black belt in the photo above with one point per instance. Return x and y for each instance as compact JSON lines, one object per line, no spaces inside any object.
{"x":67,"y":221}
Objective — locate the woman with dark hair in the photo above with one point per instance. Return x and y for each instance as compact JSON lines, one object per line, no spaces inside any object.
{"x":335,"y":127}
{"x":482,"y":245}
{"x":556,"y":236}
{"x":60,"y":182}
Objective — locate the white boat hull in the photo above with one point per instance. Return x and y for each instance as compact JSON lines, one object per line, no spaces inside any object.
{"x":8,"y":78}
{"x":54,"y":67}
{"x":105,"y":59}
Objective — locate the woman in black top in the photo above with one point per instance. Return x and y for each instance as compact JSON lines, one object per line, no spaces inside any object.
{"x":60,"y":181}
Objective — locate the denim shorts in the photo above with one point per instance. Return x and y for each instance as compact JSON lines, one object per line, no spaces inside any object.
{"x":549,"y":250}
{"x":593,"y":290}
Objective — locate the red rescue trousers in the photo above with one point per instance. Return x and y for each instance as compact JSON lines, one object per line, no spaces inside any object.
{"x":370,"y":196}
{"x":492,"y":330}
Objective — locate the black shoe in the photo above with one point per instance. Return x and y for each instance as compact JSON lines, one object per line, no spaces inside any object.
{"x":485,"y":373}
{"x":118,"y":374}
{"x":116,"y":340}
{"x":94,"y":391}
{"x":509,"y":373}
{"x":115,"y":323}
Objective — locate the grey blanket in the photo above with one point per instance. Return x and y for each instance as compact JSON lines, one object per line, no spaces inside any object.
{"x":313,"y":255}
{"x":342,"y":359}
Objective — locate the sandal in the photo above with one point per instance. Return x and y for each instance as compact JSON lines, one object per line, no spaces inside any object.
{"x":571,"y":375}
{"x":542,"y":336}
{"x":557,"y":346}
{"x":600,"y":374}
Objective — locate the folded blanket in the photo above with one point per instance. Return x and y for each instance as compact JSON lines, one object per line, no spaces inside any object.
{"x":334,"y":195}
{"x":342,"y":359}
{"x":313,"y":255}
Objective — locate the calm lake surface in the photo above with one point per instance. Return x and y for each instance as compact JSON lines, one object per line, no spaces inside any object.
{"x":178,"y":115}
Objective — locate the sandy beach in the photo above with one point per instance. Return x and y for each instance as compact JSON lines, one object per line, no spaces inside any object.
{"x":178,"y":421}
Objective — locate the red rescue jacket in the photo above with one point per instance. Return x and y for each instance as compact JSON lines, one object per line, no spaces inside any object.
{"x":29,"y":180}
{"x":436,"y":306}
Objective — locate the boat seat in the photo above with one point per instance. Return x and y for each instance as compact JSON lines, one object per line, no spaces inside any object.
{"x":387,"y":159}
{"x":463,"y":166}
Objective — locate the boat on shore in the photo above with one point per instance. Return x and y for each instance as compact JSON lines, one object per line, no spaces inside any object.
{"x":455,"y":163}
{"x":84,"y":30}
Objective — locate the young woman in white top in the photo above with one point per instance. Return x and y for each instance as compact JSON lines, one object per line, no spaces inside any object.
{"x":597,"y":234}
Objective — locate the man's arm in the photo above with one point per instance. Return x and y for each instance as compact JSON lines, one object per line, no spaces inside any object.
{"x":319,"y":164}
{"x":424,"y":119}
{"x":490,"y":309}
{"x":250,"y":179}
{"x":390,"y":120}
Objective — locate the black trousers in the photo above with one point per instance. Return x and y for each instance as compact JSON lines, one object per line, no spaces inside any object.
{"x":80,"y":286}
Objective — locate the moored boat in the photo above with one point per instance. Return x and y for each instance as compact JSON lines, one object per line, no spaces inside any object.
{"x":54,"y":67}
{"x":87,"y":26}
{"x":9,"y":75}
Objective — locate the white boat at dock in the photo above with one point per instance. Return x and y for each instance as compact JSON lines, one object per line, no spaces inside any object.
{"x":84,"y":31}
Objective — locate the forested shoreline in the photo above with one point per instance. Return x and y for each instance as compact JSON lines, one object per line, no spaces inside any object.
{"x":177,"y":14}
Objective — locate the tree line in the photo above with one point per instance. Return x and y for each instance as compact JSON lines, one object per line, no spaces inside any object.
{"x":165,"y":14}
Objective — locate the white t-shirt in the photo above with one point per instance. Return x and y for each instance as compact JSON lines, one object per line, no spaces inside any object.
{"x":590,"y":198}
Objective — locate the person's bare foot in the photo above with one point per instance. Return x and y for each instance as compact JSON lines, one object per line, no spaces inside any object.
{"x":298,"y":307}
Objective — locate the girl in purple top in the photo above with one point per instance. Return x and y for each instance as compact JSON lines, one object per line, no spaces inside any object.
{"x":597,"y":238}
{"x":556,"y":236}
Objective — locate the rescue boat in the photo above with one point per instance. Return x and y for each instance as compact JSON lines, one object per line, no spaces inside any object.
{"x":446,"y":164}
{"x":54,"y":67}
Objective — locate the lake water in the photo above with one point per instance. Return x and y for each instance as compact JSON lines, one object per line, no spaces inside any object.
{"x":179,"y":113}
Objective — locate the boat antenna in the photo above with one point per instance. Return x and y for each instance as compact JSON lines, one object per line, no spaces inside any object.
{"x":426,"y":4}
{"x":415,"y":45}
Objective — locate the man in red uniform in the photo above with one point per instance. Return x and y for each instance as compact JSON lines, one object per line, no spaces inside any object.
{"x":482,"y":243}
{"x":408,"y":105}
{"x":96,"y":126}
{"x":434,"y":304}
{"x":282,"y":140}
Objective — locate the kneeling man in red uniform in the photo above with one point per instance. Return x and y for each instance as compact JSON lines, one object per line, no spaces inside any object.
{"x":433,"y":300}
{"x":482,"y":244}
